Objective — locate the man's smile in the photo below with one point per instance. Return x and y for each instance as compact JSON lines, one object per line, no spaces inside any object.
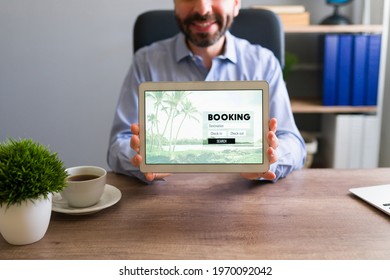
{"x":203,"y":26}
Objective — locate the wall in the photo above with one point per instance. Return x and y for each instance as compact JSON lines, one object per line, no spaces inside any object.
{"x":62,"y":66}
{"x":384,"y":156}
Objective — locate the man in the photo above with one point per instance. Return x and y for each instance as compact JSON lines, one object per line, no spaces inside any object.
{"x":206,"y":50}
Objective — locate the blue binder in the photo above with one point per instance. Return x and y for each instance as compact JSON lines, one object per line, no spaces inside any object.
{"x":359,"y":69}
{"x":374,"y":48}
{"x":343,"y":93}
{"x":330,"y":69}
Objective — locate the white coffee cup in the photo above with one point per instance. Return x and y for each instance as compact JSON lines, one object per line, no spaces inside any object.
{"x":85,"y":185}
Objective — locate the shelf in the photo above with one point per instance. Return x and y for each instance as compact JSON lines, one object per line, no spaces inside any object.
{"x":334,"y":29}
{"x":308,"y":106}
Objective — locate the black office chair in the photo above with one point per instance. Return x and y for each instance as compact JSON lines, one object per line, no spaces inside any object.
{"x":258,"y":26}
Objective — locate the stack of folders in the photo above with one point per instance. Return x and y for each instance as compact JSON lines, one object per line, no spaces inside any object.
{"x":351,"y":69}
{"x":288,"y":14}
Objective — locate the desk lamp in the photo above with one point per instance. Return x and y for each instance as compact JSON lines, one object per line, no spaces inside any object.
{"x":336,"y":18}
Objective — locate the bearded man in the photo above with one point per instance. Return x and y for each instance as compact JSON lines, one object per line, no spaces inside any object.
{"x":205,"y":50}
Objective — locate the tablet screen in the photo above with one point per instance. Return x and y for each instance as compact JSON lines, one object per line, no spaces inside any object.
{"x":203,"y":126}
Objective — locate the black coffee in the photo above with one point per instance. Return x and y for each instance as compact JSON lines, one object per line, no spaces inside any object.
{"x":82,"y":177}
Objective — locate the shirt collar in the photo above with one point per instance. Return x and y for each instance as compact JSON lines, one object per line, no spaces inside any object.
{"x":182,"y":50}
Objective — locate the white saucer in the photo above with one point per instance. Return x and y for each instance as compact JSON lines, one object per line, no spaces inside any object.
{"x":110,"y":196}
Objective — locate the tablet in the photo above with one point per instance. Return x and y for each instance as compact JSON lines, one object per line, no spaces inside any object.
{"x":204,"y":126}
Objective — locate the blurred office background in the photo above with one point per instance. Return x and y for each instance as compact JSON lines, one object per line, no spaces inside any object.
{"x":62,"y":64}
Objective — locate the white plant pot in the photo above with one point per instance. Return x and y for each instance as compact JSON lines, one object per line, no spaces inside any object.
{"x":27,"y":222}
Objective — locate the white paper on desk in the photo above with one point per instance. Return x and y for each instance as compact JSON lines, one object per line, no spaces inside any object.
{"x":378,"y":196}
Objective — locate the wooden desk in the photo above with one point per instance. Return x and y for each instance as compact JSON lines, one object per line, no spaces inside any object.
{"x":308,"y":215}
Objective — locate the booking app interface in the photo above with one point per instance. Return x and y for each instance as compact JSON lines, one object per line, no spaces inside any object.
{"x":204,"y":127}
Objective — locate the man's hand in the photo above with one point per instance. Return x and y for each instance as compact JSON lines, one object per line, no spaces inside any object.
{"x":271,"y":153}
{"x":137,"y":159}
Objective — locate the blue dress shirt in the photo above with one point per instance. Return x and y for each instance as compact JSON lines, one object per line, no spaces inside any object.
{"x":171,"y":60}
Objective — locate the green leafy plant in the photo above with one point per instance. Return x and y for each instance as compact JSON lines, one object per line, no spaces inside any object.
{"x":290,"y":60}
{"x":28,"y":171}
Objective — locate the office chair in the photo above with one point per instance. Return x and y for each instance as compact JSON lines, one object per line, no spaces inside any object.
{"x":258,"y":26}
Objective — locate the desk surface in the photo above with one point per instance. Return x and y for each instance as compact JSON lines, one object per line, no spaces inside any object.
{"x":308,"y":215}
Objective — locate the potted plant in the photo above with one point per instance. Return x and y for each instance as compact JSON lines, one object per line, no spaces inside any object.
{"x":29,"y":174}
